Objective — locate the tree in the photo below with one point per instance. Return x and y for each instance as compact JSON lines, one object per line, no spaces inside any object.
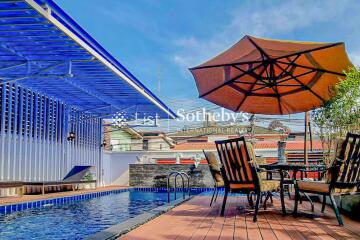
{"x":340,"y":114}
{"x":277,"y":125}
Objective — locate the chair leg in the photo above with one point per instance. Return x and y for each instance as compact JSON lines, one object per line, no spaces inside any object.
{"x":297,"y":196}
{"x":213,"y":195}
{"x":336,"y":210}
{"x":268,"y":194}
{"x":310,"y":201}
{"x":271,"y":199}
{"x":323,"y":204}
{"x":250,"y":200}
{"x":288,"y":190}
{"x":257,"y":206}
{"x":217,"y":193}
{"x":224,"y":202}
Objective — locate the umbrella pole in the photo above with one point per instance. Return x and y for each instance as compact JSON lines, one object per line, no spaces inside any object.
{"x":311,"y":138}
{"x":305,"y":141}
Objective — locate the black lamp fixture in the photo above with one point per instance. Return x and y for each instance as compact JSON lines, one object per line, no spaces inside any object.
{"x":71,"y":136}
{"x":103,"y":143}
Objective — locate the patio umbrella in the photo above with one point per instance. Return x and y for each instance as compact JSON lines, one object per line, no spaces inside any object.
{"x":265,"y":76}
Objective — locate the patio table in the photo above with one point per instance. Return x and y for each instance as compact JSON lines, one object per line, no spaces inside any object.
{"x":282,"y":167}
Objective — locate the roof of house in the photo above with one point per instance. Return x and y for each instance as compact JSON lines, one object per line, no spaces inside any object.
{"x":290,"y":145}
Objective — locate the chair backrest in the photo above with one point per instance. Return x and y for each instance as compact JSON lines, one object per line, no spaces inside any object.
{"x":214,"y":166}
{"x":346,"y":172}
{"x":237,"y":162}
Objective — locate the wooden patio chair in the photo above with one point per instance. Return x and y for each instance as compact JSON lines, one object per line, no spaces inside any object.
{"x":241,"y":172}
{"x":342,"y":177}
{"x":215,"y":170}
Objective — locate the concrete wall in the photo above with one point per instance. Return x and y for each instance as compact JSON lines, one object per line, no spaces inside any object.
{"x":142,"y":175}
{"x":116,"y":164}
{"x":116,"y":167}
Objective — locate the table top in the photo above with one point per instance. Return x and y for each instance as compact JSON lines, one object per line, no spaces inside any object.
{"x":282,"y":166}
{"x":288,"y":166}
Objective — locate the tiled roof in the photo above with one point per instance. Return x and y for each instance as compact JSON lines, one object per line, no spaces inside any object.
{"x":290,"y":145}
{"x":195,"y":146}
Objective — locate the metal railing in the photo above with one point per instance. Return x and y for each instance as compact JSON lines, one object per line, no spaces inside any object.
{"x":176,"y":174}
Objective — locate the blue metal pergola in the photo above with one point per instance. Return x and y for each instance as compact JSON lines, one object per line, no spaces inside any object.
{"x":43,"y":49}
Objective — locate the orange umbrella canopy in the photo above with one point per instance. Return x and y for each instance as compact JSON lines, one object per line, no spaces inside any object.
{"x":266,"y":76}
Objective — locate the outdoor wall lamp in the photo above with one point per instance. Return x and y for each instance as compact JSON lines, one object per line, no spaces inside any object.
{"x":103,"y":144}
{"x":71,"y":136}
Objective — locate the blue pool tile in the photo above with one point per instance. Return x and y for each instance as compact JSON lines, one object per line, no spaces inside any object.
{"x":8,"y":209}
{"x":2,"y":209}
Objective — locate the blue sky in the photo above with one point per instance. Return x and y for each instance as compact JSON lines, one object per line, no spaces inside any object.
{"x":161,"y":39}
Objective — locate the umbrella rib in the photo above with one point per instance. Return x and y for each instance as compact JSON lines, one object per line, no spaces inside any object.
{"x":257,"y":77}
{"x":230,"y":81}
{"x":291,"y":62}
{"x":274,"y":88}
{"x":317,"y":76}
{"x":250,"y":83}
{"x":304,"y":86}
{"x":285,"y":56}
{"x":251,"y":89}
{"x":315,"y":69}
{"x":259,"y":48}
{"x":282,"y":85}
{"x":278,"y":82}
{"x":268,"y":57}
{"x":300,"y":75}
{"x":237,"y":88}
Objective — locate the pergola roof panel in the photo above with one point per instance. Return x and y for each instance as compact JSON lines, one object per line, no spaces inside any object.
{"x":43,"y":49}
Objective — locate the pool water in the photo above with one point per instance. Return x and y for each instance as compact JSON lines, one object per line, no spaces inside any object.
{"x":80,"y":219}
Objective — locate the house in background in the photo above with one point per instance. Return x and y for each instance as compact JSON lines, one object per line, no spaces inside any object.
{"x":129,"y":139}
{"x":128,"y":146}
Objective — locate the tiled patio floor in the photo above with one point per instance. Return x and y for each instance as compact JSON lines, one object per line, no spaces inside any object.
{"x":196,"y":220}
{"x":28,"y":198}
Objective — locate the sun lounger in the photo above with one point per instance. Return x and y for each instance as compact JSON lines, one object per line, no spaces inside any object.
{"x":19,"y":186}
{"x":74,"y":178}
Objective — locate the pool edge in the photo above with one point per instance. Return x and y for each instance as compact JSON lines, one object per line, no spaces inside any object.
{"x":122,"y":228}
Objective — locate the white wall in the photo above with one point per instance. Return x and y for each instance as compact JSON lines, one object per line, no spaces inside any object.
{"x":33,"y":138}
{"x":116,"y":164}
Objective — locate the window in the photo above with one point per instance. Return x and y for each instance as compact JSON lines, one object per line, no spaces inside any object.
{"x":145,"y":144}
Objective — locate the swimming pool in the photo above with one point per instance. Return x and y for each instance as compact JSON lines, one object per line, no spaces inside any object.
{"x":78,"y":219}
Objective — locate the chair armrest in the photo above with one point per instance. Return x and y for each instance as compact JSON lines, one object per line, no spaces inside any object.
{"x":340,"y":160}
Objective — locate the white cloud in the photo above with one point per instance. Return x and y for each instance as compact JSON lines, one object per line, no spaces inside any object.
{"x":266,"y":22}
